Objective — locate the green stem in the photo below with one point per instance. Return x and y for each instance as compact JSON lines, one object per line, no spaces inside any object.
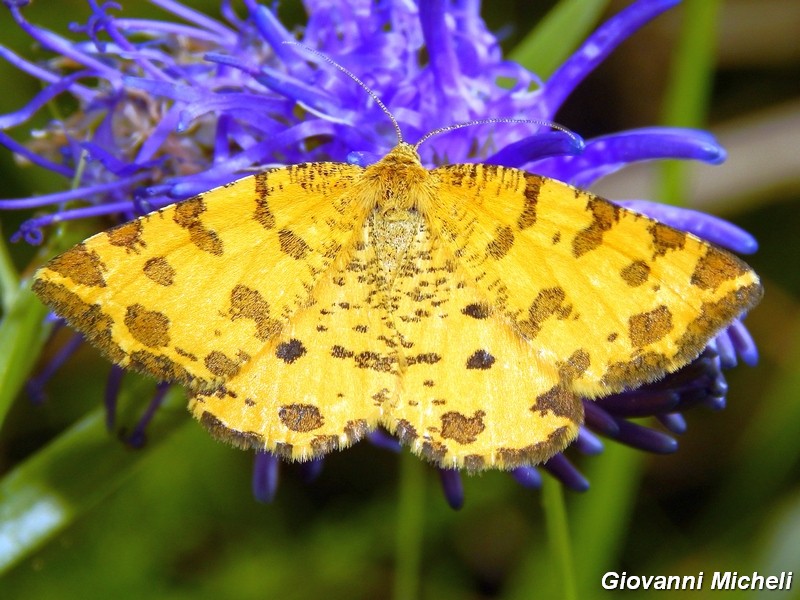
{"x":410,"y":522}
{"x":555,"y":514}
{"x":600,"y":517}
{"x":686,"y":101}
{"x":557,"y":35}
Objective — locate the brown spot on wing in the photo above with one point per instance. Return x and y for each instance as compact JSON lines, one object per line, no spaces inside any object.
{"x":290,"y":351}
{"x":159,"y":270}
{"x":636,"y":273}
{"x":220,"y":365}
{"x":185,"y":354}
{"x":480,"y":360}
{"x":604,"y":216}
{"x":263,"y":214}
{"x":323,"y":444}
{"x":560,"y":402}
{"x":292,"y":244}
{"x":148,"y":327}
{"x":429,"y":358}
{"x":665,"y":238}
{"x":648,"y":327}
{"x":549,"y":302}
{"x":375,"y":361}
{"x":81,"y":265}
{"x":501,"y":244}
{"x":716,"y":267}
{"x":528,"y":216}
{"x":434,"y":451}
{"x":127,"y":235}
{"x":476,"y":310}
{"x":574,"y":366}
{"x":464,"y":430}
{"x":283,"y":450}
{"x":247,"y":303}
{"x":355,"y":430}
{"x":187,"y":215}
{"x":474,"y":462}
{"x":341,"y":352}
{"x":301,"y":417}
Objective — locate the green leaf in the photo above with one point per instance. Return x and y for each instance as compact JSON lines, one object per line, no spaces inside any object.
{"x":22,"y":336}
{"x":46,"y":493}
{"x":9,"y":280}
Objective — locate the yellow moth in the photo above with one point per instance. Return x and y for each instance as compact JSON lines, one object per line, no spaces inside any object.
{"x":466,"y":309}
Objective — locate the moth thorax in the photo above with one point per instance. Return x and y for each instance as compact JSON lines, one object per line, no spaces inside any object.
{"x":391,"y":233}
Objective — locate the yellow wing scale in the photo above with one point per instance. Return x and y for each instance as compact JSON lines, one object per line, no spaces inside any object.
{"x":466,"y":309}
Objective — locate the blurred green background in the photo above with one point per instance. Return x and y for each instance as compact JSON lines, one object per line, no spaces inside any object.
{"x":177,"y":520}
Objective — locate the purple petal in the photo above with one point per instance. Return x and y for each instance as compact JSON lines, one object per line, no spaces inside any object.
{"x":725,"y":349}
{"x":442,"y":56}
{"x":41,"y":99}
{"x":527,"y":477}
{"x":138,"y":436}
{"x":36,"y":385}
{"x":599,"y":45}
{"x":588,"y":443}
{"x":198,"y":18}
{"x":453,"y":487}
{"x":275,"y":34}
{"x":639,"y":403}
{"x":381,"y":439}
{"x":111,"y":395}
{"x":608,"y":154}
{"x":156,"y":28}
{"x":311,"y":469}
{"x":31,"y":156}
{"x":31,"y":230}
{"x":674,"y":422}
{"x":62,"y":46}
{"x":57,"y":198}
{"x":266,"y":467}
{"x":563,"y":470}
{"x":743,"y":342}
{"x":599,"y":420}
{"x":536,"y":147}
{"x":644,"y":438}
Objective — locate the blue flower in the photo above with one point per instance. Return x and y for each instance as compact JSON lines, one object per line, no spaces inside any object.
{"x":168,"y":109}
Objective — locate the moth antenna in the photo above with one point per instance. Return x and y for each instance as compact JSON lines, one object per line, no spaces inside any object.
{"x":352,"y":76}
{"x":541,"y":122}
